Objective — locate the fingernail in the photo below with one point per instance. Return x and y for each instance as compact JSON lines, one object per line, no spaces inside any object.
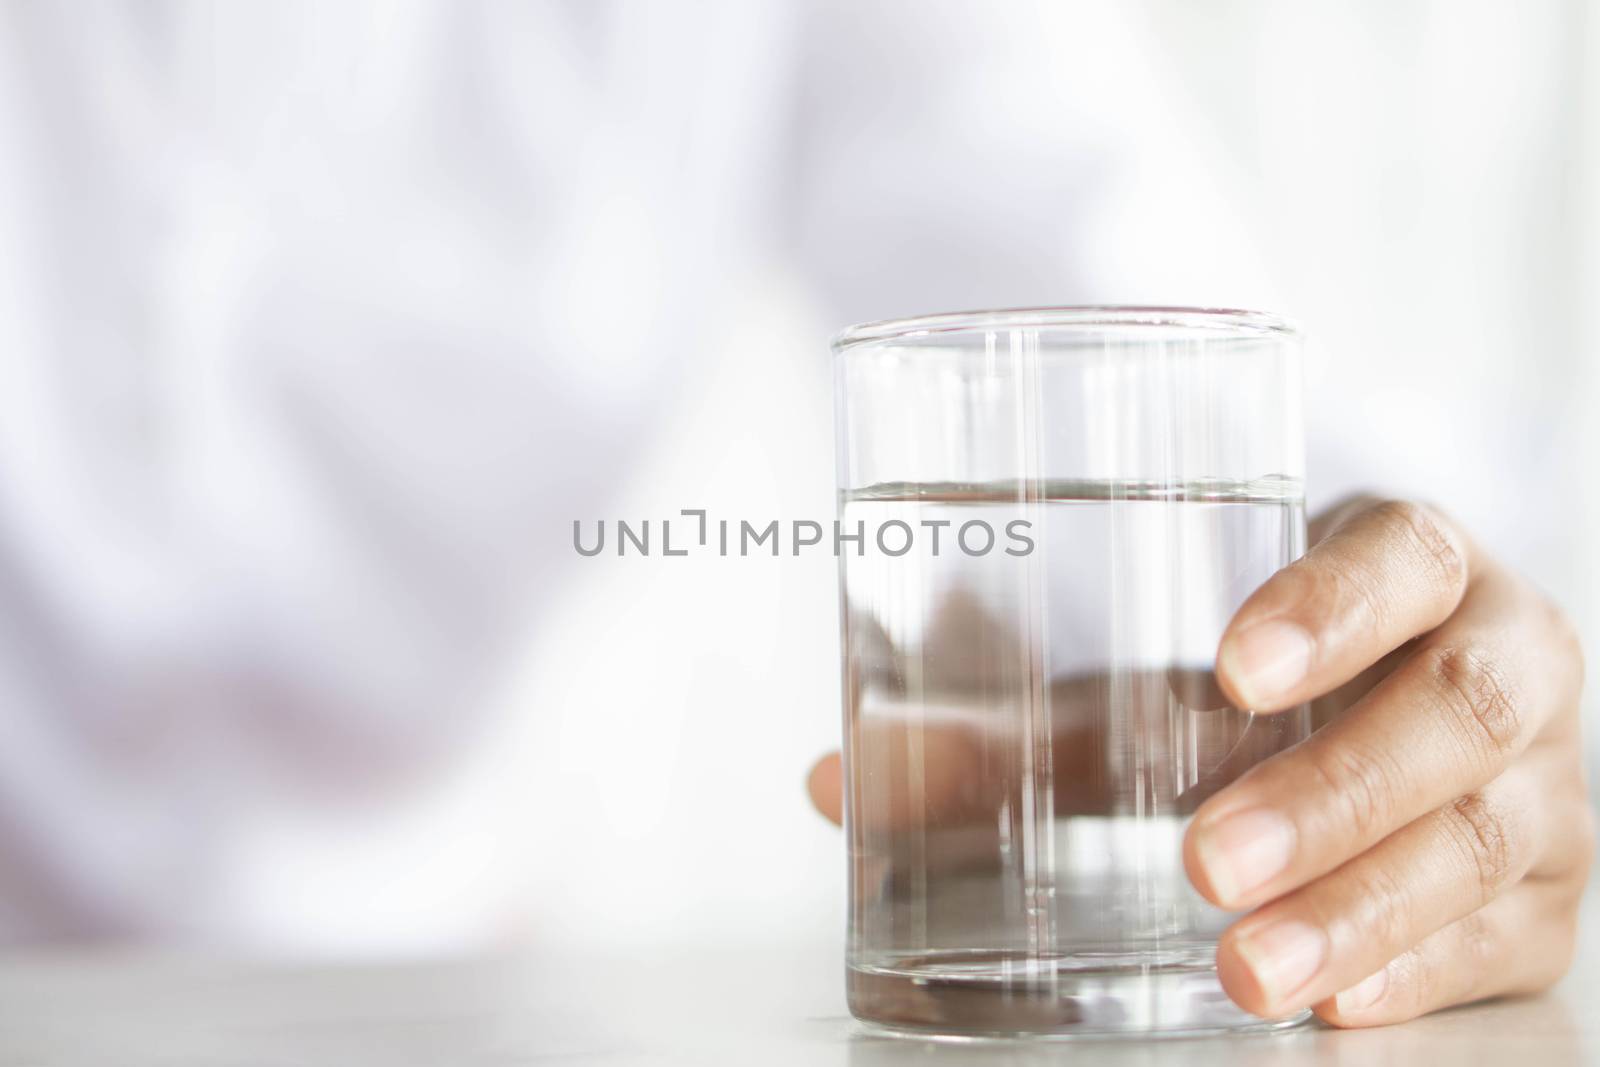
{"x":1267,"y":660}
{"x":1283,"y":956}
{"x":1365,"y":993}
{"x":1244,"y":851}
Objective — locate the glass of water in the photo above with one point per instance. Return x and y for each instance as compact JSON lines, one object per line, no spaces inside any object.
{"x":1047,"y":518}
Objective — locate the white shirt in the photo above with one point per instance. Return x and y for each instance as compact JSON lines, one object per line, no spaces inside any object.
{"x":320,"y":323}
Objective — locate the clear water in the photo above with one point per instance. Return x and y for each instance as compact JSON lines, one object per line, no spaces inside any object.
{"x":1027,"y":736}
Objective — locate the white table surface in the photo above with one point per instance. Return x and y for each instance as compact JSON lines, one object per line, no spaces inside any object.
{"x":736,"y":1005}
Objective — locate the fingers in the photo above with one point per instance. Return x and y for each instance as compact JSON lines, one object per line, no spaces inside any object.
{"x":1451,"y":716}
{"x":825,"y":783}
{"x":1332,"y":934}
{"x":1384,"y":575}
{"x":1520,"y":943}
{"x":958,"y":759}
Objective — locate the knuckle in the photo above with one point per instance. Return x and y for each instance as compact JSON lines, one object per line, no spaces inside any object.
{"x":1484,"y":709}
{"x":1428,"y":538}
{"x":1386,"y":912}
{"x":1361,"y":780}
{"x":1488,"y":840}
{"x":1475,"y":958}
{"x":1479,"y":942}
{"x":1419,"y":979}
{"x":1324,"y":587}
{"x":1350,"y":586}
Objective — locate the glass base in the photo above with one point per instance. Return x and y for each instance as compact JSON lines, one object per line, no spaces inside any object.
{"x":974,"y":995}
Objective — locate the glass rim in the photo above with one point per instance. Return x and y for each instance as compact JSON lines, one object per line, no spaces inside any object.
{"x":1231,"y":322}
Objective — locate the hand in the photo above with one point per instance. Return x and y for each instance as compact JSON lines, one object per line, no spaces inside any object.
{"x":1430,"y":844}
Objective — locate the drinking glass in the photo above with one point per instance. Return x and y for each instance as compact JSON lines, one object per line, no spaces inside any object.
{"x":1046,"y":519}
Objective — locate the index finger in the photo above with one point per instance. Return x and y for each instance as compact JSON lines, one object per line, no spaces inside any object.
{"x":1386,"y":573}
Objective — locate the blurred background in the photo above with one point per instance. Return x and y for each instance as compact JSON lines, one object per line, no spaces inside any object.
{"x":321,"y":324}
